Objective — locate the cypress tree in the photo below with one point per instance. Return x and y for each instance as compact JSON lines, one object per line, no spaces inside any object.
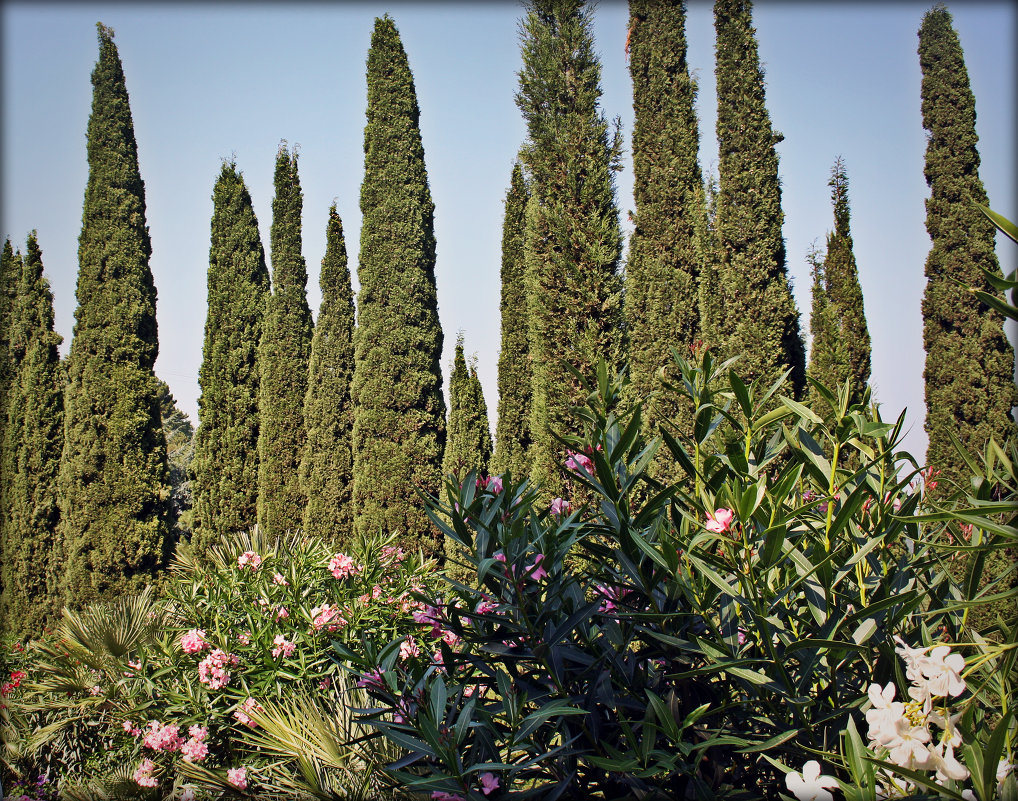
{"x":10,"y":270}
{"x":179,"y":433}
{"x":664,"y":263}
{"x":33,"y":441}
{"x":225,"y":466}
{"x":468,"y":445}
{"x":512,"y":433}
{"x":761,"y":323}
{"x":826,"y":350}
{"x":399,"y":412}
{"x":969,"y":362}
{"x":326,"y":468}
{"x":845,"y":345}
{"x":573,"y":236}
{"x":285,"y":353}
{"x":114,"y":487}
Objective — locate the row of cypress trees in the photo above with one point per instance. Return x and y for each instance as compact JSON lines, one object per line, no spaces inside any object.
{"x":337,"y":428}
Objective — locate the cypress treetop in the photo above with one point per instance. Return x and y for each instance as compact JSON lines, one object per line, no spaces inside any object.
{"x":760,"y":322}
{"x":969,"y":370}
{"x":284,"y":355}
{"x":34,"y":435}
{"x":573,"y":235}
{"x":113,"y":476}
{"x":512,"y":435}
{"x":326,"y":468}
{"x":225,"y":465}
{"x":399,"y":412}
{"x":468,"y":446}
{"x":665,"y":262}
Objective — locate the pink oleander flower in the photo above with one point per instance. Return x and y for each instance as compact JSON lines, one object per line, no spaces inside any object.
{"x":489,"y":782}
{"x":243,"y":712}
{"x":409,"y":648}
{"x":373,"y":678}
{"x":194,"y":750}
{"x":578,"y":462}
{"x":244,"y":638}
{"x":143,"y":775}
{"x":283,"y":646}
{"x":430,"y":616}
{"x":720,"y":521}
{"x":162,"y":738}
{"x":560,"y":506}
{"x":391,"y":554}
{"x":237,"y":777}
{"x":451,"y":638}
{"x":486,"y":607}
{"x":495,"y":485}
{"x":538,"y":570}
{"x":249,"y":559}
{"x":198,"y":732}
{"x":343,"y":566}
{"x":326,"y":617}
{"x":193,"y":641}
{"x":212,"y":670}
{"x":499,"y":557}
{"x":282,"y":613}
{"x":280,"y":579}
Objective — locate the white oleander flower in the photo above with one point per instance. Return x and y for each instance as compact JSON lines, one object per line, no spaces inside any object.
{"x":943,"y":670}
{"x":907,"y":745}
{"x":810,"y":785}
{"x":947,"y":767}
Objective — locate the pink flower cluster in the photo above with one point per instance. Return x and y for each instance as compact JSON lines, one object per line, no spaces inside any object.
{"x":243,"y":712}
{"x":143,"y":775}
{"x":162,"y":738}
{"x":492,"y":485}
{"x":283,"y":646}
{"x":392,"y":555}
{"x":193,"y":641}
{"x":323,"y":617}
{"x":720,"y":521}
{"x":579,"y":462}
{"x":408,"y":648}
{"x":212,"y":670}
{"x":280,"y":579}
{"x":249,"y":559}
{"x":560,"y":506}
{"x":196,"y":749}
{"x":343,"y":566}
{"x":237,"y":777}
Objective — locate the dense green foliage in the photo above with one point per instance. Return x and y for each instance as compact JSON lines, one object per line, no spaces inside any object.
{"x":326,"y":468}
{"x":10,"y":276}
{"x":573,"y":237}
{"x":33,"y":439}
{"x":283,"y":357}
{"x":399,"y":411}
{"x":969,"y":362}
{"x":663,"y":265}
{"x":225,"y":466}
{"x":114,"y":488}
{"x":512,"y":433}
{"x":844,"y":344}
{"x":760,"y":323}
{"x":826,"y":350}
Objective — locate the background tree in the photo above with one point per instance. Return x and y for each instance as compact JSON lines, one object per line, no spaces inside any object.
{"x":114,"y":486}
{"x":512,"y":434}
{"x":179,"y":433}
{"x":468,"y":443}
{"x":969,"y":371}
{"x":664,"y":264}
{"x":10,"y":268}
{"x":573,"y":237}
{"x":33,"y":440}
{"x":284,"y":355}
{"x":760,"y":324}
{"x":399,"y":412}
{"x":326,"y":468}
{"x":826,"y":351}
{"x":225,"y":466}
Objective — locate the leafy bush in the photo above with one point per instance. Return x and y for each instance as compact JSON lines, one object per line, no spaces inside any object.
{"x":167,"y":691}
{"x":692,"y":640}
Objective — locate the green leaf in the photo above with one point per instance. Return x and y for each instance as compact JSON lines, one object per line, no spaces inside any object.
{"x":1002,"y":223}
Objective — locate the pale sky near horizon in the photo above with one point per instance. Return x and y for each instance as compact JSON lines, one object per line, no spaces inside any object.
{"x":214,"y":81}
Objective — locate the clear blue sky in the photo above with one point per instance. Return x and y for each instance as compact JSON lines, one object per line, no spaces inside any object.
{"x":210,"y":81}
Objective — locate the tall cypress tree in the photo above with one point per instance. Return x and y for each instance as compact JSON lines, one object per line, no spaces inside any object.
{"x":845,"y":346}
{"x":225,"y":466}
{"x":969,"y":362}
{"x":468,"y":445}
{"x":512,"y":433}
{"x":664,"y":263}
{"x":114,"y":486}
{"x":573,"y":236}
{"x":326,"y":468}
{"x":284,"y":354}
{"x":10,"y":270}
{"x":761,"y":323}
{"x":33,"y":440}
{"x":826,"y":349}
{"x":399,"y":412}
